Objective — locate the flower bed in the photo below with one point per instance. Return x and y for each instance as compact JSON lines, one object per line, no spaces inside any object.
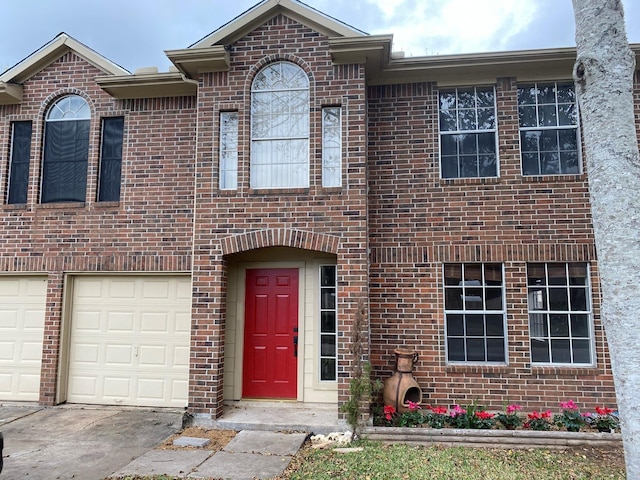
{"x":475,"y":417}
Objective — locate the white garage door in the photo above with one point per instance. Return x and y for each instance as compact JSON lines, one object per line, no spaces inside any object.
{"x":22,"y":305}
{"x":129,"y":341}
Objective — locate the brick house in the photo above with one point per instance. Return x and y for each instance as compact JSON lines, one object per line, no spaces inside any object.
{"x":208,"y":234}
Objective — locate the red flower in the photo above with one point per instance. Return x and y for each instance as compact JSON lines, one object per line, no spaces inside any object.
{"x":413,"y":406}
{"x":604,"y":410}
{"x":535,"y":415}
{"x":439,"y":410}
{"x":389,"y":411}
{"x":484,"y":415}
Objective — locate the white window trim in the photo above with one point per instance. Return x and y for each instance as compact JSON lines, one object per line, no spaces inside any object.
{"x":326,"y":149}
{"x":575,"y":127}
{"x":320,"y":333}
{"x":495,"y":131}
{"x":589,"y":314}
{"x":223,"y":148}
{"x":502,"y":312}
{"x":307,"y":137}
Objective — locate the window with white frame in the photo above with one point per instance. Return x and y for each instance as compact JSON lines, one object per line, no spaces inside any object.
{"x":468,"y":133}
{"x":328,"y":323}
{"x":559,"y":298}
{"x":280,"y":127}
{"x":548,"y":118}
{"x":228,"y":150}
{"x":475,"y":313}
{"x":331,"y":147}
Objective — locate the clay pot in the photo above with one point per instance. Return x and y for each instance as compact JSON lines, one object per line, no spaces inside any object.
{"x":401,"y":388}
{"x":405,"y":359}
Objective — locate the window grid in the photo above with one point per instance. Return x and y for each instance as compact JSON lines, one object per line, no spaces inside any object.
{"x":66,"y":151}
{"x":560,"y":325}
{"x":475,"y":313}
{"x":328,"y":324}
{"x":228,"y":150}
{"x":331,"y":147}
{"x":280,"y":127}
{"x":549,"y":134}
{"x":468,"y":140}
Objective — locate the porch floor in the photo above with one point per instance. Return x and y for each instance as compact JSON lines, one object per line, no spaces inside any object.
{"x":279,"y":416}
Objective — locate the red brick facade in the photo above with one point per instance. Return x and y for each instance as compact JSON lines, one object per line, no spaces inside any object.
{"x":418,"y":222}
{"x":391,"y":227}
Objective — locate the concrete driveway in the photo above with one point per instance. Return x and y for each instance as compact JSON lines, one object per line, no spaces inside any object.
{"x":79,"y":442}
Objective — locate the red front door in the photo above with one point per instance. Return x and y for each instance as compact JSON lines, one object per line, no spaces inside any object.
{"x":270,"y":367}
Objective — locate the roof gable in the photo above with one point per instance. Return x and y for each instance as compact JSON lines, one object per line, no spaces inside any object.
{"x":52,"y":51}
{"x":266,"y":10}
{"x":211,"y":54}
{"x":12,"y":79}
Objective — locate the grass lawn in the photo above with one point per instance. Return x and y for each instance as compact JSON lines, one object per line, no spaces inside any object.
{"x":389,"y":462}
{"x":400,"y":462}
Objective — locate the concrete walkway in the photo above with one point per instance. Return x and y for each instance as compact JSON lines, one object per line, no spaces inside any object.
{"x":251,"y":454}
{"x":95,"y":442}
{"x":260,"y":450}
{"x":76,"y":443}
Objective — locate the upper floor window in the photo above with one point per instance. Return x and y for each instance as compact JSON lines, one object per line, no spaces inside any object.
{"x":66,"y":151}
{"x":228,"y":150}
{"x":548,"y":129}
{"x":475,"y":312}
{"x":331,"y":147}
{"x":468,"y":133}
{"x":559,"y":298}
{"x":19,"y":162}
{"x":111,"y":159}
{"x":280,"y":127}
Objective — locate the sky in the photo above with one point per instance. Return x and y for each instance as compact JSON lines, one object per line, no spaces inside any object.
{"x":135,"y":33}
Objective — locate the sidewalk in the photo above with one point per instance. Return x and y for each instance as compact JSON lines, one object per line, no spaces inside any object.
{"x":79,"y":442}
{"x":270,"y":434}
{"x":251,"y":454}
{"x":87,"y":442}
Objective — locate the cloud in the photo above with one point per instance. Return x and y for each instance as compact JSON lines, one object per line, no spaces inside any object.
{"x":453,"y":26}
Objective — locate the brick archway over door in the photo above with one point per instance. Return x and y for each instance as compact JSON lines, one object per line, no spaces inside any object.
{"x":280,"y":237}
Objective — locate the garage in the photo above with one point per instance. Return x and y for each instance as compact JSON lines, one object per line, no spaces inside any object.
{"x":129,"y":340}
{"x":22,"y":306}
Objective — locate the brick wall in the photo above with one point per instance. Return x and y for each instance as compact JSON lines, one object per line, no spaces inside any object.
{"x":148,"y":230}
{"x":418,"y":222}
{"x":391,"y":226}
{"x":336,"y":212}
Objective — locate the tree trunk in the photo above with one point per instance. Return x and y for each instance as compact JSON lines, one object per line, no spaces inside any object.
{"x":603,"y":73}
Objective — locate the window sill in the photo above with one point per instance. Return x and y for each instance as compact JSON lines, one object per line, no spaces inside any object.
{"x":573,"y":370}
{"x":553,"y":178}
{"x":478,"y":368}
{"x":15,"y":206}
{"x":278,"y":191}
{"x":470,"y":181}
{"x":60,"y":205}
{"x":106,"y":204}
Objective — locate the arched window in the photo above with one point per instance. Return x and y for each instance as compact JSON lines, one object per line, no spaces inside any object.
{"x":66,"y":151}
{"x":280,"y":127}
